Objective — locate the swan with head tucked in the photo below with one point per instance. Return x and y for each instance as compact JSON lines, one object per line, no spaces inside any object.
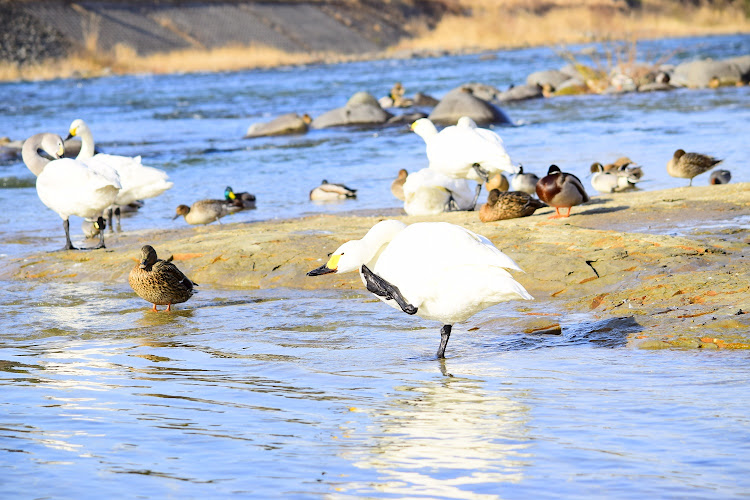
{"x":138,"y":181}
{"x":436,"y":270}
{"x":464,"y":151}
{"x":68,"y":186}
{"x":427,"y":192}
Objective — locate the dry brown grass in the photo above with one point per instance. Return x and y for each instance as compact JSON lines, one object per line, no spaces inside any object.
{"x":488,"y":24}
{"x":521,"y":23}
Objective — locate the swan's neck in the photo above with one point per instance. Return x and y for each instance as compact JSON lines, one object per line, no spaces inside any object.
{"x":87,"y":143}
{"x":375,"y":241}
{"x":30,"y":154}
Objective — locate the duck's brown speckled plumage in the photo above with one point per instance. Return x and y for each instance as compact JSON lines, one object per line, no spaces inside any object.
{"x":159,"y":281}
{"x":688,"y":165}
{"x":561,"y":190}
{"x":508,"y":205}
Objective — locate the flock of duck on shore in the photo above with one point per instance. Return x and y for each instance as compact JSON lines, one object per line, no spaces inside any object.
{"x":436,"y":270}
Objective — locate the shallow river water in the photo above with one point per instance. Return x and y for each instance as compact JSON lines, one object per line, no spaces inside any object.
{"x":306,"y":394}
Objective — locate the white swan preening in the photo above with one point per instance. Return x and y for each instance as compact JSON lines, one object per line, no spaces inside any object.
{"x":67,"y":186}
{"x":455,"y":150}
{"x":138,"y":181}
{"x":428,"y":192}
{"x":436,"y":270}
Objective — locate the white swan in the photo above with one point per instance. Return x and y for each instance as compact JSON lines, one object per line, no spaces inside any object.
{"x":70,"y":187}
{"x":464,"y":151}
{"x":428,"y":192}
{"x":138,"y":181}
{"x":436,"y":270}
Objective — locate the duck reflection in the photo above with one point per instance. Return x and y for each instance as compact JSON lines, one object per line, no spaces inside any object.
{"x":450,"y":438}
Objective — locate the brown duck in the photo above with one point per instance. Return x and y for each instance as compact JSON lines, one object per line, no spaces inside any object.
{"x":688,"y":165}
{"x":397,"y":186}
{"x":508,"y":205}
{"x":561,"y":190}
{"x":159,"y":281}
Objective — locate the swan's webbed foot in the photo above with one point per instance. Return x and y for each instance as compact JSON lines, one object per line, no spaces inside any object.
{"x":382,"y":288}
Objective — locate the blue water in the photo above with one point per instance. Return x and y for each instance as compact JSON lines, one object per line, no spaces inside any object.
{"x":306,"y":394}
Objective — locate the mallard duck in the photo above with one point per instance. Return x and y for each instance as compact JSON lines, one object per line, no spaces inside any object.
{"x":720,"y":177}
{"x":397,"y":186}
{"x":436,"y":270}
{"x":688,"y":165}
{"x":328,"y":191}
{"x":68,"y":186}
{"x":561,"y":190}
{"x":159,"y":281}
{"x":523,"y":181}
{"x":427,"y":192}
{"x":206,"y":211}
{"x":510,"y":205}
{"x":242,"y":200}
{"x":138,"y":181}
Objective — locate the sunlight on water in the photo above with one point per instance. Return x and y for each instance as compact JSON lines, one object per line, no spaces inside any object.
{"x":292,"y":394}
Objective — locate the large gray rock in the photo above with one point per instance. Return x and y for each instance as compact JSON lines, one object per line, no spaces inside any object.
{"x":461,"y":102}
{"x":698,"y":74}
{"x":361,"y":109}
{"x":362,"y":98}
{"x":551,"y":77}
{"x":743,"y":64}
{"x":290,"y":123}
{"x":520,"y":93}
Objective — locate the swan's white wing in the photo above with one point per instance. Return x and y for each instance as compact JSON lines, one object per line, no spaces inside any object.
{"x":138,"y":181}
{"x":70,"y":187}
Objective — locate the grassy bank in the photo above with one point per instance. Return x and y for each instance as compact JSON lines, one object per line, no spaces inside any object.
{"x":472,"y":25}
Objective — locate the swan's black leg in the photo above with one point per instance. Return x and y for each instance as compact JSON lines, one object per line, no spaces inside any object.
{"x":382,"y":288}
{"x":445,"y":334}
{"x":451,"y":205}
{"x":117,"y":213}
{"x":68,"y":243}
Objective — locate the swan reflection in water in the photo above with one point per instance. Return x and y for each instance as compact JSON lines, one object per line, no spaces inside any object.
{"x":451,"y":437}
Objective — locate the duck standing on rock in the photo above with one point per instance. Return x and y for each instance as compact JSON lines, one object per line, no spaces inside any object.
{"x":436,"y":270}
{"x":510,"y":205}
{"x":561,"y":190}
{"x":688,"y":165}
{"x":159,"y":281}
{"x":206,"y":211}
{"x":328,"y":191}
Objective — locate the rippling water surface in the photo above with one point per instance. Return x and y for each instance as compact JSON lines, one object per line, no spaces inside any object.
{"x":296,"y":394}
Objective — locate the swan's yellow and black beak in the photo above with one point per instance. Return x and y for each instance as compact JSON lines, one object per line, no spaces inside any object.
{"x":60,"y":151}
{"x":327,"y":268}
{"x":71,"y":133}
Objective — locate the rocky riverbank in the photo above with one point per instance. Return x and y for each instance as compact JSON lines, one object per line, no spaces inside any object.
{"x":673,"y":264}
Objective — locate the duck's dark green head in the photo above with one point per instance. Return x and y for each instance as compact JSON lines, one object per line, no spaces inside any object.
{"x":229,"y":194}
